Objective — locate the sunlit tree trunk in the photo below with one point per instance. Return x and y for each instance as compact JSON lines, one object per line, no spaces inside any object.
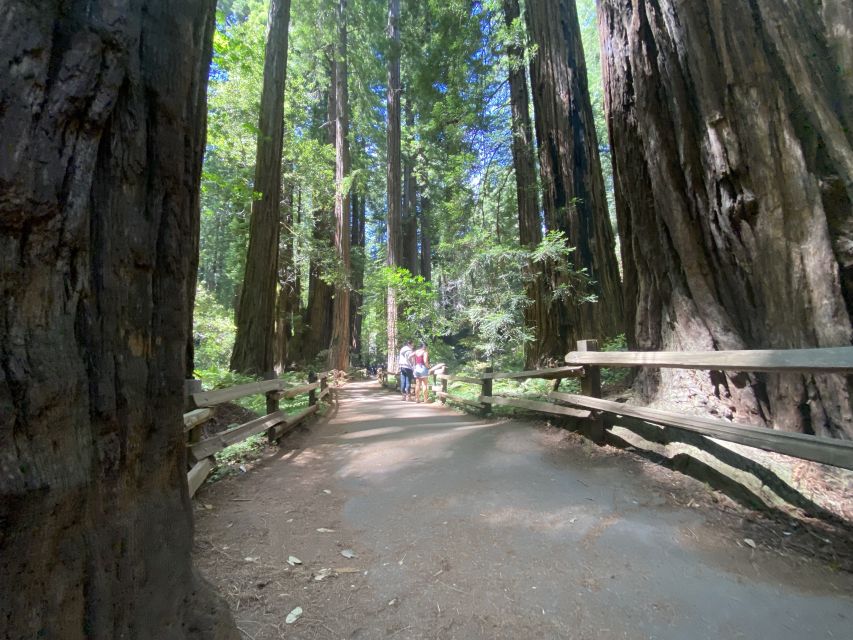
{"x":426,"y":243}
{"x":102,"y":104}
{"x":732,"y":135}
{"x":395,"y":240}
{"x":340,"y":344}
{"x":287,"y":307}
{"x":254,"y":344}
{"x":572,"y":183}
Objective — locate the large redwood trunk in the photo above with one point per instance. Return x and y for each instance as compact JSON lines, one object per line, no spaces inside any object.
{"x":573,"y":188}
{"x":536,"y":315}
{"x":254,"y":345}
{"x":395,"y":235}
{"x":287,"y":307}
{"x":411,"y":258}
{"x":340,"y":342}
{"x":99,"y":176}
{"x":732,"y":133}
{"x":426,"y":239}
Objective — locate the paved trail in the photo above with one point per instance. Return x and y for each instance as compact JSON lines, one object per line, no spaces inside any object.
{"x":470,"y":529}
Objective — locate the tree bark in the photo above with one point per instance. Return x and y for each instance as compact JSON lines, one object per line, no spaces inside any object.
{"x":287,"y":307}
{"x":411,"y":259}
{"x":573,"y":187}
{"x":254,"y":345}
{"x":732,"y":133}
{"x":395,"y":239}
{"x":536,"y":316}
{"x":426,"y":244}
{"x":340,"y":343}
{"x":98,"y":214}
{"x":357,"y":297}
{"x":317,"y":330}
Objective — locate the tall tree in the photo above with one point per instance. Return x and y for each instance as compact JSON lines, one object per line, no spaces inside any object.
{"x":732,"y":134}
{"x":254,"y":344}
{"x":100,"y":169}
{"x":537,"y":320}
{"x":573,"y":188}
{"x":357,"y":238}
{"x":340,"y":343}
{"x":287,"y":307}
{"x":411,"y":259}
{"x":426,"y":244}
{"x":317,"y":332}
{"x":394,"y":231}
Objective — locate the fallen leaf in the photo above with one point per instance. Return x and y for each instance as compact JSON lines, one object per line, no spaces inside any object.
{"x":322,"y":574}
{"x":348,"y":553}
{"x":293,"y":561}
{"x":750,"y":542}
{"x":327,"y":492}
{"x":294,"y":615}
{"x":325,"y":530}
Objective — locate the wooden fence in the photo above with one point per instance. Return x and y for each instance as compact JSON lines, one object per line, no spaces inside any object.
{"x":276,"y":423}
{"x":596,"y":414}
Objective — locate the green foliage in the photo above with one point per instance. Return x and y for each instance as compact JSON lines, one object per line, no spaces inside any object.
{"x":213,"y":331}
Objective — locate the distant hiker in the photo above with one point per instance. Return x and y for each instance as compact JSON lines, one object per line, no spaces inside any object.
{"x":421,"y":373}
{"x":406,"y":363}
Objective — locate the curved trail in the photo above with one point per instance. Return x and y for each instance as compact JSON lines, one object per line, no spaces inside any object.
{"x":464,"y":528}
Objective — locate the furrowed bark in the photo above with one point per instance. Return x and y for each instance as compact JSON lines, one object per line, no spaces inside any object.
{"x":732,"y":136}
{"x":254,"y":344}
{"x":395,"y":235}
{"x":573,"y":187}
{"x":99,"y":176}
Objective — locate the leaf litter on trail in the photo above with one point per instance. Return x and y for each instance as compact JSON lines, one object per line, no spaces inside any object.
{"x":293,"y":561}
{"x":325,"y":530}
{"x":348,"y":553}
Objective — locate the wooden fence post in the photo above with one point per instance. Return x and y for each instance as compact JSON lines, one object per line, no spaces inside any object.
{"x":324,"y":382}
{"x":444,"y":387}
{"x":192,"y":386}
{"x":591,"y":386}
{"x":312,"y":395}
{"x":487,"y":391}
{"x":272,"y":405}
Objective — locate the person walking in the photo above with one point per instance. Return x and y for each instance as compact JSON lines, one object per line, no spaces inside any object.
{"x":421,"y":357}
{"x":405,"y":362}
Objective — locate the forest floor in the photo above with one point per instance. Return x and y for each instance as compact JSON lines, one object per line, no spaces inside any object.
{"x":417,"y":521}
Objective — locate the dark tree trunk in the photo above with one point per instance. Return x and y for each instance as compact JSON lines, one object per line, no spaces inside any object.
{"x":395,"y":235}
{"x":317,"y":331}
{"x":410,"y":259}
{"x":357,"y":297}
{"x":98,"y":219}
{"x":536,"y":315}
{"x":340,"y":342}
{"x":287,"y":307}
{"x":426,"y":244}
{"x":573,"y":187}
{"x":254,"y":345}
{"x":732,"y":135}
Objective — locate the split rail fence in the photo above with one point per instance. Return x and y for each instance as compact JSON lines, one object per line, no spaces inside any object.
{"x":276,"y":422}
{"x":596,"y":414}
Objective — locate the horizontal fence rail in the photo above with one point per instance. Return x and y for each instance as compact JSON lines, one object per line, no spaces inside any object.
{"x":825,"y":360}
{"x":589,"y":408}
{"x":276,"y":423}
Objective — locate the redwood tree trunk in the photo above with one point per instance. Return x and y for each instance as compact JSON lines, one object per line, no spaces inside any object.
{"x":536,"y":316}
{"x":317,"y":329}
{"x":395,"y":239}
{"x":98,"y":211}
{"x":287,"y":307}
{"x":573,"y":188}
{"x":732,"y":133}
{"x":357,"y":236}
{"x":410,"y":259}
{"x":340,"y":342}
{"x":254,"y":345}
{"x":426,"y":244}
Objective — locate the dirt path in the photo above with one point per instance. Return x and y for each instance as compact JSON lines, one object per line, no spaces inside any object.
{"x":468,"y":529}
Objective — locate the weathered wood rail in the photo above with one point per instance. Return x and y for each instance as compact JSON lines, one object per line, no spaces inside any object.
{"x":276,"y":422}
{"x":597,"y":415}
